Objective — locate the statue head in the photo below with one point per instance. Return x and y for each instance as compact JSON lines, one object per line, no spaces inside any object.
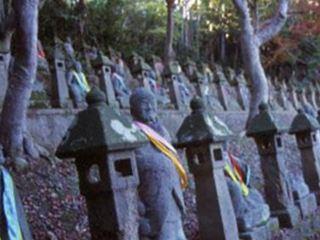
{"x":78,"y":66}
{"x":143,"y":106}
{"x":68,"y":47}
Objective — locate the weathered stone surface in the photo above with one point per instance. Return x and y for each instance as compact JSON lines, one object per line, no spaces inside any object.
{"x":278,"y":190}
{"x":305,"y":128}
{"x":103,"y":66}
{"x":159,"y":188}
{"x":311,"y":95}
{"x":61,"y":177}
{"x":205,"y":159}
{"x":179,"y":87}
{"x":102,"y":141}
{"x":60,"y":90}
{"x":4,"y":65}
{"x":274,"y":96}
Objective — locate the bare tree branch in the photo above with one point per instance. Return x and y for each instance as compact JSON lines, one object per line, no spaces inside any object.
{"x":242,"y":7}
{"x":272,"y":27}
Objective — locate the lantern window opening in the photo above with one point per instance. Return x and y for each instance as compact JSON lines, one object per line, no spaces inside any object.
{"x":107,"y":69}
{"x":279,"y":142}
{"x":123,"y":167}
{"x":217,"y":154}
{"x":60,"y":64}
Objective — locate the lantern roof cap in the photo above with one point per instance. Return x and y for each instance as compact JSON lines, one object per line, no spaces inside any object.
{"x":200,"y":127}
{"x":99,"y":127}
{"x":265,"y":123}
{"x":303,"y":122}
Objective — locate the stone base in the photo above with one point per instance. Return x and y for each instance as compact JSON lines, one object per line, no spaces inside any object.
{"x":288,"y":218}
{"x":263,"y":232}
{"x":307,"y":205}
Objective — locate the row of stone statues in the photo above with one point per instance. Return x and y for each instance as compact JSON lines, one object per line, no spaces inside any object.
{"x":132,"y":176}
{"x":173,"y":85}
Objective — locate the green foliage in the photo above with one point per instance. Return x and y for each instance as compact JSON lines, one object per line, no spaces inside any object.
{"x":140,"y":26}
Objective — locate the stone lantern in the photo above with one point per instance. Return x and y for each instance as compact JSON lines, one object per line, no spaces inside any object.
{"x":103,"y":143}
{"x":103,"y":67}
{"x":220,"y":85}
{"x":142,"y":70}
{"x":203,"y":141}
{"x":267,"y":132}
{"x":305,"y":128}
{"x":171,"y":73}
{"x":61,"y":97}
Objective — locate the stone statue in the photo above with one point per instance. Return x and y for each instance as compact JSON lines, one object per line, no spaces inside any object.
{"x":12,"y":215}
{"x":121,"y":90}
{"x":162,"y":204}
{"x":159,"y":92}
{"x":158,"y":67}
{"x":147,"y":78}
{"x":78,"y":84}
{"x":207,"y":73}
{"x":69,"y":51}
{"x":250,"y":208}
{"x":41,"y":87}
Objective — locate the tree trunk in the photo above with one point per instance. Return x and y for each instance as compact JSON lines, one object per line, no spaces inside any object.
{"x":253,"y":67}
{"x":251,"y":40}
{"x":222,"y":43}
{"x":13,"y":117}
{"x":168,"y":50}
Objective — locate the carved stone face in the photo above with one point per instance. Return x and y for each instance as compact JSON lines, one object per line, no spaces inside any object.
{"x":146,"y":111}
{"x":143,"y":106}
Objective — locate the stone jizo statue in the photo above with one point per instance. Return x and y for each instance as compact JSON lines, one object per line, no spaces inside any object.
{"x":250,"y":208}
{"x":13,"y":223}
{"x":161,"y":176}
{"x":78,"y":84}
{"x":120,"y":87}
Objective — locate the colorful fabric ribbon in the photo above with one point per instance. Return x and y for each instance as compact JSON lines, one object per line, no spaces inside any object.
{"x":235,"y":173}
{"x":82,"y":81}
{"x":166,"y":148}
{"x":9,"y":207}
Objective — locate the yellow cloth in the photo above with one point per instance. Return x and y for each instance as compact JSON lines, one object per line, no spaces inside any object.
{"x":234,"y":175}
{"x":174,"y":158}
{"x":167,"y":149}
{"x":82,"y":81}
